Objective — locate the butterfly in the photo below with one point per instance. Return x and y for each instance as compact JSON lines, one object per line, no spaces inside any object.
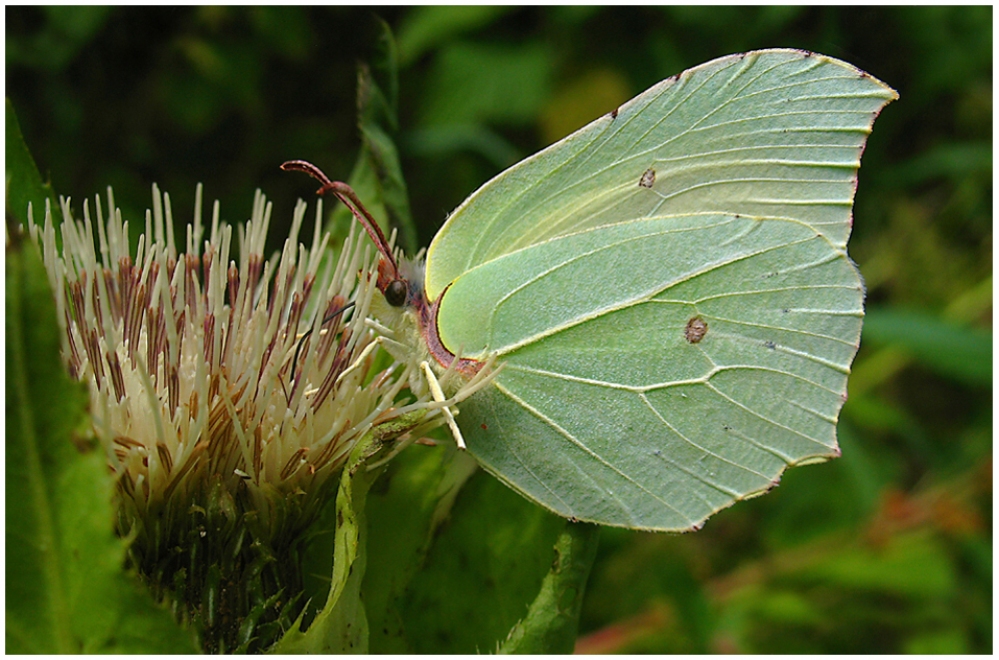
{"x":666,"y":292}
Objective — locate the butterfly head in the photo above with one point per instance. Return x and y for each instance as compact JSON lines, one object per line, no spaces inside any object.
{"x":413,"y":317}
{"x":400,"y":281}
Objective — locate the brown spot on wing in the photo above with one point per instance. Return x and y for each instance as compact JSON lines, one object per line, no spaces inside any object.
{"x":695,"y":330}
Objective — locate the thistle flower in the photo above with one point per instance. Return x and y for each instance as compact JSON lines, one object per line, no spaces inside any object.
{"x":227,"y":396}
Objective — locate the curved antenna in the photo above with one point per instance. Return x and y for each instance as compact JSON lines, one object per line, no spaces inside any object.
{"x":346,"y":194}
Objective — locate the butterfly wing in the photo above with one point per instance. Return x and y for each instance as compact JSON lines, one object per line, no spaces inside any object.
{"x":668,"y":292}
{"x":775,"y":133}
{"x":609,"y":409}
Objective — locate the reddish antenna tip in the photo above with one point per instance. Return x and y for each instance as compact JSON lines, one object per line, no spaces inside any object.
{"x":349,"y":198}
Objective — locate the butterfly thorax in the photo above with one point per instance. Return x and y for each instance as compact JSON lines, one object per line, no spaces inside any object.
{"x":414,"y":324}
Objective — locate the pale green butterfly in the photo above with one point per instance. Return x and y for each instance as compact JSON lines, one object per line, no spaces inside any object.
{"x":667,"y":291}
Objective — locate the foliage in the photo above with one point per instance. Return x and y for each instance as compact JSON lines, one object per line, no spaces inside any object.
{"x":67,"y":590}
{"x":884,"y":550}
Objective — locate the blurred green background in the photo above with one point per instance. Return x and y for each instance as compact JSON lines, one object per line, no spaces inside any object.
{"x":887,"y":549}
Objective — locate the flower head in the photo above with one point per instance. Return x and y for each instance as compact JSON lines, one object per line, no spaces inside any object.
{"x":227,"y":393}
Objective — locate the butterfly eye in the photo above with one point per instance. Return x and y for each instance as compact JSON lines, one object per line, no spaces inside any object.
{"x":396,"y":293}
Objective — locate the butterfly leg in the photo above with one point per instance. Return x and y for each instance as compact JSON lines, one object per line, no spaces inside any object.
{"x":359,"y":361}
{"x":438,"y":394}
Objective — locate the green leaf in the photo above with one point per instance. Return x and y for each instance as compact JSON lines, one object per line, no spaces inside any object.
{"x":952,"y":160}
{"x":939,"y":642}
{"x":342,"y":626}
{"x":377,"y":175}
{"x":553,"y":618}
{"x":443,"y":141}
{"x":63,"y":33}
{"x":891,"y":568}
{"x":950,"y":349}
{"x":485,"y":568}
{"x":426,"y":28}
{"x":479,"y":82}
{"x":67,"y":590}
{"x":24,"y":183}
{"x":405,"y":509}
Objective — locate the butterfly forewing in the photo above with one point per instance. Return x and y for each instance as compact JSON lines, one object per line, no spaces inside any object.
{"x":774,"y":133}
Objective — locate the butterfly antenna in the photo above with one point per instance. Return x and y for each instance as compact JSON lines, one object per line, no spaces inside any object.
{"x":349,"y":198}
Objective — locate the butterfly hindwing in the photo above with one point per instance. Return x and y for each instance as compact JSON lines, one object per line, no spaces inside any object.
{"x":658,"y":370}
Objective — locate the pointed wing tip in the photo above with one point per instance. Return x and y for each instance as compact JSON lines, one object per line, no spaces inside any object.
{"x":800,"y":53}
